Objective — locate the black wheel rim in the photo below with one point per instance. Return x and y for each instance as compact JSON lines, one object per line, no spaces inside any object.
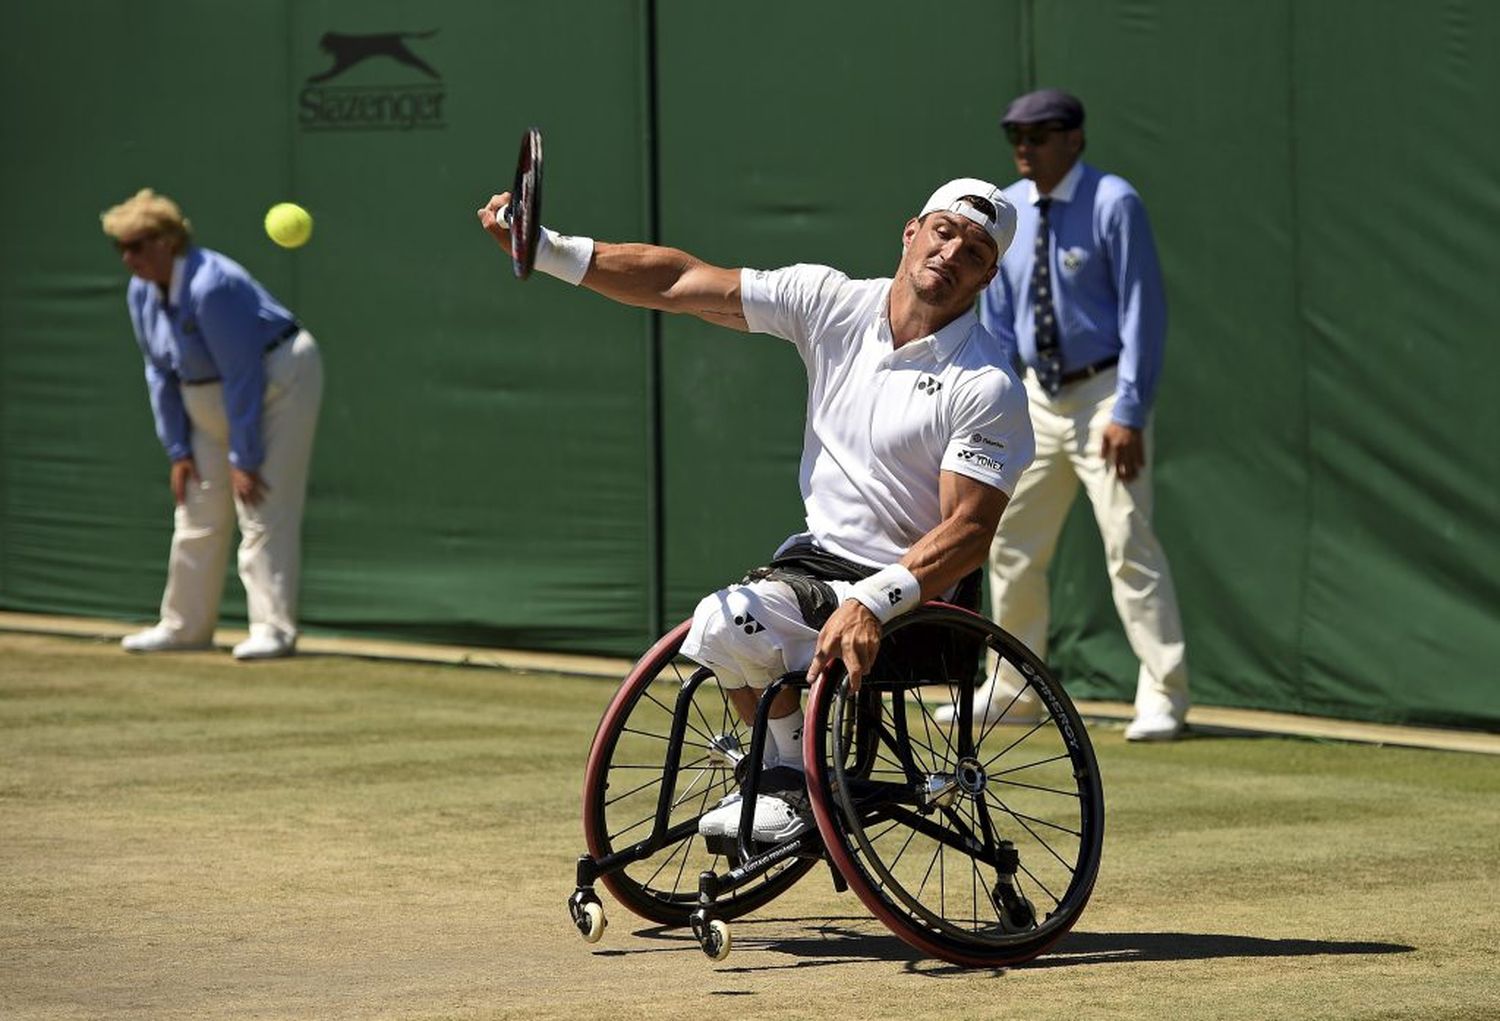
{"x":925,"y":822}
{"x":622,"y":793}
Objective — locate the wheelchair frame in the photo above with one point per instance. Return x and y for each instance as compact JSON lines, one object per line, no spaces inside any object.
{"x":898,"y":801}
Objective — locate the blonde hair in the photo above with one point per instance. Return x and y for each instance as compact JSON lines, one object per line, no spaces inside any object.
{"x":146,"y":212}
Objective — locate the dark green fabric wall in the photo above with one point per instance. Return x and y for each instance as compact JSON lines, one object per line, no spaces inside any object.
{"x":1324,"y":180}
{"x":514,"y":464}
{"x":810,"y":139}
{"x":480,"y":469}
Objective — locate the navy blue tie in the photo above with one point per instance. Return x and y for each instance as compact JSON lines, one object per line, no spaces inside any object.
{"x":1044,"y":316}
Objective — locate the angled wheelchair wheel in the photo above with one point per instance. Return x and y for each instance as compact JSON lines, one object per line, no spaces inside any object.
{"x":641,"y":806}
{"x":976,"y":841}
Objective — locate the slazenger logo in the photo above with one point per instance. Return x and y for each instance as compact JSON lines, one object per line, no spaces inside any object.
{"x":983,"y":460}
{"x":982,"y":438}
{"x":395,"y":107}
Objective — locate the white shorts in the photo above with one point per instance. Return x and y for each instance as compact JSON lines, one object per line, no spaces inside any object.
{"x":754,"y":632}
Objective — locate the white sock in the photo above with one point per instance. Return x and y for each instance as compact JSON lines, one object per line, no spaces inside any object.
{"x":786,"y":735}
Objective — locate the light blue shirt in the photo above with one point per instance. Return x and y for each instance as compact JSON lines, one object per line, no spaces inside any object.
{"x":215,"y":323}
{"x":1107,"y":286}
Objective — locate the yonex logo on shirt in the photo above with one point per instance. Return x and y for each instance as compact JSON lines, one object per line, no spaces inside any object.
{"x":881,"y":430}
{"x":983,"y":460}
{"x":749,"y":623}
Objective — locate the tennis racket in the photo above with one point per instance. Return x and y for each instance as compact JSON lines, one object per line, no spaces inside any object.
{"x":524,"y":217}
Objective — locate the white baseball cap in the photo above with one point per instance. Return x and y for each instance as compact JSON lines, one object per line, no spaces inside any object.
{"x":950,"y":198}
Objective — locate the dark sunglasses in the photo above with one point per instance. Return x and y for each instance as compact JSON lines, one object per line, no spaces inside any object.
{"x":132,"y":247}
{"x":1030,"y":134}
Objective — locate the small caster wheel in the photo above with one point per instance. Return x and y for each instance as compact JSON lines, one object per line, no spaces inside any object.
{"x":1017,"y":913}
{"x":713,"y":935}
{"x":717,"y":941}
{"x":1023,"y":918}
{"x":592,"y":924}
{"x":587,"y":914}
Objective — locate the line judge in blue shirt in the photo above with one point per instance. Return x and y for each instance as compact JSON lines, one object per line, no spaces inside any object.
{"x":235,"y":385}
{"x":1079,"y":295}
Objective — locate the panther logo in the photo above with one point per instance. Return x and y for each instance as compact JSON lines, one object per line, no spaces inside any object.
{"x":348,"y":50}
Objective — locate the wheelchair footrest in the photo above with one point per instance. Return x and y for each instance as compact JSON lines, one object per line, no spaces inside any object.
{"x":729,"y":847}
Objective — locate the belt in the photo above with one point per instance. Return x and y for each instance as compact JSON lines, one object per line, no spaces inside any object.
{"x":292,"y":329}
{"x":1088,"y":370}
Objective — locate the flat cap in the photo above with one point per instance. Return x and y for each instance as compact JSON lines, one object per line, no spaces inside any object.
{"x":1045,"y":105}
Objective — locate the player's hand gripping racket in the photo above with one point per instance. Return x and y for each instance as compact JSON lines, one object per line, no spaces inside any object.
{"x":524,"y":214}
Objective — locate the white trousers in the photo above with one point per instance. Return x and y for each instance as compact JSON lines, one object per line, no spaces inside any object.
{"x":753,"y":633}
{"x":270,"y":552}
{"x":1069,"y":436}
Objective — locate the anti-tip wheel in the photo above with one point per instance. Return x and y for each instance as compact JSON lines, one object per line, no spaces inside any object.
{"x":1017,"y":913}
{"x":716,"y":940}
{"x":592,"y":922}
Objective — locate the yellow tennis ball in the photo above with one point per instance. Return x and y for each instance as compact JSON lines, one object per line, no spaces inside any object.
{"x":288,"y":224}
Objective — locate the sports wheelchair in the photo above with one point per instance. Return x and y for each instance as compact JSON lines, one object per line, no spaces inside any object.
{"x":976,"y":842}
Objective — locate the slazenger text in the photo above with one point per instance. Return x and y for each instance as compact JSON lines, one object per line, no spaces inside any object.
{"x":370,"y":109}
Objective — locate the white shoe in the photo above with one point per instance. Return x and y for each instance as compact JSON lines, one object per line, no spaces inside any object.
{"x":775,"y":818}
{"x":1154,"y":727}
{"x":158,"y":639}
{"x":1024,"y":711}
{"x":265,"y":647}
{"x":722,"y":819}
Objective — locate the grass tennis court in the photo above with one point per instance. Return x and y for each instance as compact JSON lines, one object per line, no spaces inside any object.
{"x":186,"y":837}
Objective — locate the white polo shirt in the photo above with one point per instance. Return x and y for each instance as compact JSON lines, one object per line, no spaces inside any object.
{"x":882,"y":423}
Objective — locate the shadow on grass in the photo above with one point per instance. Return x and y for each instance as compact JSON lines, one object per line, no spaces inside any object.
{"x":838,"y":941}
{"x":830,"y":941}
{"x":1124,"y":947}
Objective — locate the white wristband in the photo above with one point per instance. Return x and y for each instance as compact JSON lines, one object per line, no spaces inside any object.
{"x":889,"y":592}
{"x":564,"y":256}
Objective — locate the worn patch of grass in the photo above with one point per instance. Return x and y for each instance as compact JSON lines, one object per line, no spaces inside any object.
{"x":187,"y":837}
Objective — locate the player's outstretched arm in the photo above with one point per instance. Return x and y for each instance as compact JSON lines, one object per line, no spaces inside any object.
{"x":667,"y":279}
{"x":647,"y":276}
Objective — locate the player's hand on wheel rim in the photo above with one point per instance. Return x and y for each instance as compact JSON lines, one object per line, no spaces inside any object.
{"x":852,"y":636}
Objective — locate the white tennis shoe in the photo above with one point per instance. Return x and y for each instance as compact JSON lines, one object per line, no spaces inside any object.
{"x":265,"y":647}
{"x":775,"y":820}
{"x":1154,"y":727}
{"x":723,"y":819}
{"x":1023,"y":711}
{"x":159,"y":639}
{"x":781,"y":809}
